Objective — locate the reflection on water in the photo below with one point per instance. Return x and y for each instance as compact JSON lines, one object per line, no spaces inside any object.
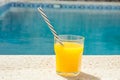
{"x":23,"y":31}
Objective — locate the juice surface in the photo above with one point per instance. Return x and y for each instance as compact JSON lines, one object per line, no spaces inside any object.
{"x":68,"y":57}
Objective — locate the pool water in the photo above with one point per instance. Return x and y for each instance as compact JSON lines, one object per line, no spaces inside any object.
{"x":23,"y":31}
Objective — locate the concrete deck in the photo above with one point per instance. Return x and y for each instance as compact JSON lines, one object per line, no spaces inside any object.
{"x":38,"y":67}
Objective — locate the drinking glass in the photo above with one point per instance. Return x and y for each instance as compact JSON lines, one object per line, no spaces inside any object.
{"x":69,"y":55}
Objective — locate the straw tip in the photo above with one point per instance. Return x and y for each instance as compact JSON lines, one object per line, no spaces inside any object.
{"x":39,"y":8}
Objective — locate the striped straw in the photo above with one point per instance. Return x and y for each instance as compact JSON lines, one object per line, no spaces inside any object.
{"x":49,"y":25}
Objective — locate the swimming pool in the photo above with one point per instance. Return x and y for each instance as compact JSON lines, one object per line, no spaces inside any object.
{"x":23,"y":31}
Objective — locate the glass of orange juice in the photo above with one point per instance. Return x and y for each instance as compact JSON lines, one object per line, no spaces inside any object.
{"x":69,"y":55}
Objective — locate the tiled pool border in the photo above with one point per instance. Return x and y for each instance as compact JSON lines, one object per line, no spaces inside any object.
{"x":59,"y":6}
{"x":66,"y":6}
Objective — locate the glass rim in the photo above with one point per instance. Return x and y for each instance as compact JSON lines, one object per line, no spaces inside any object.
{"x":76,"y":36}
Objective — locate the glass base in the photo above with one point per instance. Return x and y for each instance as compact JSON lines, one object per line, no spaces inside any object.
{"x":69,"y":74}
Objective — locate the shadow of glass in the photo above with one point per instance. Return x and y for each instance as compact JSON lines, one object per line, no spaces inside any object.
{"x":83,"y":76}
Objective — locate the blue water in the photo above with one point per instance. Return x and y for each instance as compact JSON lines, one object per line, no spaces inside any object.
{"x":23,"y":31}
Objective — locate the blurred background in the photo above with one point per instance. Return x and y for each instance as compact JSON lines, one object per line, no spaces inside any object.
{"x":23,"y":30}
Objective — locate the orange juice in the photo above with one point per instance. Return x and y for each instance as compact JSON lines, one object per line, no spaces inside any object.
{"x":68,"y":57}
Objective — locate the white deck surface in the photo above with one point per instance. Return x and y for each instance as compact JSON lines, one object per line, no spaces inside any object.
{"x":38,"y":67}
